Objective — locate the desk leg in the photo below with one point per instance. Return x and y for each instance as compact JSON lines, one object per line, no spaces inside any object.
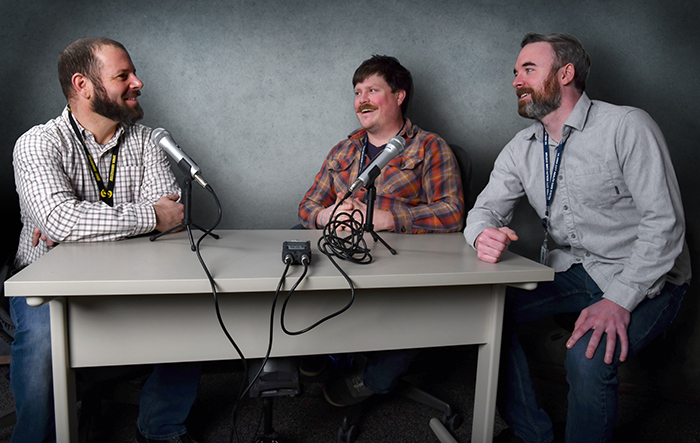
{"x":63,"y":376}
{"x":487,"y":372}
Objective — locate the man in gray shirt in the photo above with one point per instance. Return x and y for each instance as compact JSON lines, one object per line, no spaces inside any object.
{"x":600,"y":177}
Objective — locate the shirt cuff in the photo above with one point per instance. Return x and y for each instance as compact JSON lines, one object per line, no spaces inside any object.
{"x":623,"y":295}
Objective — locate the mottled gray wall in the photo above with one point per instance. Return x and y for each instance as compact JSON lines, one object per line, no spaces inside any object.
{"x":257,"y":92}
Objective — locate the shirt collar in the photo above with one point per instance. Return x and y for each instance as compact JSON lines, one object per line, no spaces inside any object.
{"x":576,"y":120}
{"x":87,"y":134}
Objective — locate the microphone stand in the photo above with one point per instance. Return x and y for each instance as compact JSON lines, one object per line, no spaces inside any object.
{"x":186,"y":219}
{"x":369,"y":224}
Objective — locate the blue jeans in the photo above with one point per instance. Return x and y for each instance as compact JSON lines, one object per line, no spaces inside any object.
{"x":166,"y":398}
{"x":592,"y":398}
{"x":385,"y":367}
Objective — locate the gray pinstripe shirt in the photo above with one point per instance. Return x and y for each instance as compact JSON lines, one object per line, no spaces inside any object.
{"x":617,"y":208}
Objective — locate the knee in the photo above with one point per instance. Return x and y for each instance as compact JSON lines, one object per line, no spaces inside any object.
{"x":588,"y":372}
{"x":32,"y":333}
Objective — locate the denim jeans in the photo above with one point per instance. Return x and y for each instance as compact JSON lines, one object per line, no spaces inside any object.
{"x":385,"y":367}
{"x":592,"y":398}
{"x":166,"y":398}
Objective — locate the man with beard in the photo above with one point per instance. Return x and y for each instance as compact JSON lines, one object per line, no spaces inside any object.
{"x":600,"y":177}
{"x":420,"y":191}
{"x":91,"y":174}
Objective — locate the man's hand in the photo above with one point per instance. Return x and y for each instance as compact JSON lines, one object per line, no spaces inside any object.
{"x":383,"y":220}
{"x":323,"y":217}
{"x":169,"y":212}
{"x":491,"y":243}
{"x":37,"y":234}
{"x":607,"y":317}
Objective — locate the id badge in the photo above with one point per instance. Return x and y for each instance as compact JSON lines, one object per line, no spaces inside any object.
{"x":544,"y":252}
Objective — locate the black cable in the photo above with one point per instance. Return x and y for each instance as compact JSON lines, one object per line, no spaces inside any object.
{"x":351,"y":246}
{"x":214,"y":292}
{"x":324,"y":319}
{"x":288,"y":262}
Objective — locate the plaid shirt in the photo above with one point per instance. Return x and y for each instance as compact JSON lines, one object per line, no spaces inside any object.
{"x":422,"y":187}
{"x":58,"y":193}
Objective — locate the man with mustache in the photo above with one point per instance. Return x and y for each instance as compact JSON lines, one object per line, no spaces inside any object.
{"x":64,"y":198}
{"x":419,"y":191}
{"x":600,"y":177}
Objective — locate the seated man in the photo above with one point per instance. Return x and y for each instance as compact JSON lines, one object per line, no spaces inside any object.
{"x":419,"y":191}
{"x":609,"y":197}
{"x":63,"y":198}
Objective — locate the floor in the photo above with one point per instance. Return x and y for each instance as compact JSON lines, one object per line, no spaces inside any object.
{"x":644,"y":416}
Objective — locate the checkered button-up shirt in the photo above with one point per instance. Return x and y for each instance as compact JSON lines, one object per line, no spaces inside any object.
{"x":421,"y":187}
{"x":59,"y":195}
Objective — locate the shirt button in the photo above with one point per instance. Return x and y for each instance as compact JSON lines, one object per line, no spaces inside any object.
{"x":566,"y":207}
{"x":578,"y":259}
{"x":403,"y":229}
{"x":588,"y":254}
{"x":573,"y":235}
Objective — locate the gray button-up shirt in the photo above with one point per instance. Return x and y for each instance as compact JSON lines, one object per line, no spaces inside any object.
{"x":616,"y":209}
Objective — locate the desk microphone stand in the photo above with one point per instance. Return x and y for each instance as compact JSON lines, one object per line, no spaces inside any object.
{"x":187,"y":218}
{"x":369,"y":223}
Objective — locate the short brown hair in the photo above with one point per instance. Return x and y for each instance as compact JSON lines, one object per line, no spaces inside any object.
{"x":396,"y":76}
{"x":567,"y":49}
{"x":79,"y":57}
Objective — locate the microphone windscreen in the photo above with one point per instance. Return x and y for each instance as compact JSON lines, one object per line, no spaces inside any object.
{"x":158,"y":134}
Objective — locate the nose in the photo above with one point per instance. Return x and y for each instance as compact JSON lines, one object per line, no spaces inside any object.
{"x":362,"y":97}
{"x":136,"y":83}
{"x":517,"y":82}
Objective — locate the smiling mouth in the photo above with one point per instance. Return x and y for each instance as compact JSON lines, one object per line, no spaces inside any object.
{"x":133,"y":97}
{"x":523,"y":93}
{"x":363,"y":109}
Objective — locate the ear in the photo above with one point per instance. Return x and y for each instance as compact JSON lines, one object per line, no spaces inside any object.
{"x":567,"y":73}
{"x":400,"y":96}
{"x":82,"y":85}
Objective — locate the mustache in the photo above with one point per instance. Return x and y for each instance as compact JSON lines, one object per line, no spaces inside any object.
{"x":133,"y":95}
{"x":521,"y":91}
{"x":366,"y":107}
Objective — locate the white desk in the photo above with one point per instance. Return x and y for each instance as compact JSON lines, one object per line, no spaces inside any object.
{"x":137,"y":302}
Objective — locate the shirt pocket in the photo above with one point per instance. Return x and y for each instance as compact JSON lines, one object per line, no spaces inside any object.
{"x":598,"y":187}
{"x":403,"y":177}
{"x":340,"y":170}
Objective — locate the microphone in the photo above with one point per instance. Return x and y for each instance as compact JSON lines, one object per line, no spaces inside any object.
{"x":162,"y":138}
{"x":393,"y":148}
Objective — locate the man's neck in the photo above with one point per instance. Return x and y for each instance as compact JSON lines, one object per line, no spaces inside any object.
{"x":380,"y":138}
{"x":102,"y":128}
{"x":554,"y":121}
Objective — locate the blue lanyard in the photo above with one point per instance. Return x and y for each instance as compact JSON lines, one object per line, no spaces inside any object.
{"x":550,"y":184}
{"x":550,"y":177}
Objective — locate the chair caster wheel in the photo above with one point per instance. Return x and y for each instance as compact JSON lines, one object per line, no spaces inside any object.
{"x":348,"y":435}
{"x":453,"y":423}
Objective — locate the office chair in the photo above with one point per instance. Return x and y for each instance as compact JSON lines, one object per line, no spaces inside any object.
{"x":279,"y":376}
{"x":348,"y":430}
{"x":464,"y":163}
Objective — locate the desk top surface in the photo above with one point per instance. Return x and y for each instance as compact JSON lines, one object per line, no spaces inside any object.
{"x":251,"y":261}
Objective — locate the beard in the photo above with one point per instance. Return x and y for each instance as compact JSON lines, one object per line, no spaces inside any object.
{"x":541,"y":104}
{"x":113,"y":110}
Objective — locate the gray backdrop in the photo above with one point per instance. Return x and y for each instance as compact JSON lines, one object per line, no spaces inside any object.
{"x":257,"y":92}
